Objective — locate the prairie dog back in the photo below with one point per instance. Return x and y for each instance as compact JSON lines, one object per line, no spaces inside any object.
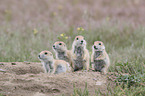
{"x":61,"y":51}
{"x":61,"y":66}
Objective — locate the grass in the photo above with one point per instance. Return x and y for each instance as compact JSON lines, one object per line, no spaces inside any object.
{"x":79,"y":92}
{"x":124,"y":44}
{"x":23,"y":37}
{"x":118,"y":91}
{"x":2,"y":95}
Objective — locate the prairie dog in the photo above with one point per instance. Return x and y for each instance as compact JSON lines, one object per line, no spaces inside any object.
{"x":61,"y":51}
{"x":80,"y":55}
{"x":99,"y":59}
{"x":51,"y":65}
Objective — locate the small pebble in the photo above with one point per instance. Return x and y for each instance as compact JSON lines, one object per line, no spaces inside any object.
{"x":98,"y":83}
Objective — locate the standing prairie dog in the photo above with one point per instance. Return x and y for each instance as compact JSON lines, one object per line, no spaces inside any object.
{"x":52,"y":65}
{"x":61,"y":51}
{"x":80,"y":55}
{"x":99,"y":59}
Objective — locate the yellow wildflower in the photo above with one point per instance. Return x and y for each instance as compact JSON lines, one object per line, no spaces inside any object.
{"x":83,"y":29}
{"x":108,"y":19}
{"x":61,"y":35}
{"x":35,"y":31}
{"x":78,"y":29}
{"x":66,"y":37}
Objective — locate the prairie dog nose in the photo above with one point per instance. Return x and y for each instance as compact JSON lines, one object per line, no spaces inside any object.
{"x":95,"y":47}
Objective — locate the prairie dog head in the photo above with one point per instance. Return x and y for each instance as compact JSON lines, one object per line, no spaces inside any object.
{"x":79,"y":41}
{"x":98,"y":46}
{"x":45,"y":56}
{"x":59,"y":46}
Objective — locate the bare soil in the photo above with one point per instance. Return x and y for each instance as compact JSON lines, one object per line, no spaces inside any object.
{"x":29,"y":79}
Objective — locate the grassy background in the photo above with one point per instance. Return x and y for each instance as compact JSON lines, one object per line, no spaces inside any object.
{"x":26,"y":28}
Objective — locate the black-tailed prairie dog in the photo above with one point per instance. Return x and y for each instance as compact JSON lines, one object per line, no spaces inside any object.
{"x":80,"y":55}
{"x":99,"y":59}
{"x":61,"y":51}
{"x":51,"y":65}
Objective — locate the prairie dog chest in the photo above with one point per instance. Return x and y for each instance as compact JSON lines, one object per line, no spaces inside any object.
{"x":99,"y":64}
{"x":78,"y":62}
{"x":63,"y":56}
{"x":97,"y":53}
{"x":50,"y":64}
{"x":79,"y":51}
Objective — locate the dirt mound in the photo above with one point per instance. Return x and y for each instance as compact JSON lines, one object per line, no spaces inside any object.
{"x":22,"y":68}
{"x":28,"y":79}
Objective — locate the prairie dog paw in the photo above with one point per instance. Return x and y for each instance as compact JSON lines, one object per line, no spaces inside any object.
{"x":85,"y":71}
{"x":84,"y":60}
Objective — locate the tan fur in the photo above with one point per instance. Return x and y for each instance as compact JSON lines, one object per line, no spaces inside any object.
{"x":58,"y":49}
{"x":51,"y":65}
{"x":99,"y":54}
{"x":83,"y":55}
{"x":62,"y":63}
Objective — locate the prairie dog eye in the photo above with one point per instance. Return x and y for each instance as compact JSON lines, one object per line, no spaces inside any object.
{"x":99,"y":43}
{"x":45,"y":53}
{"x":60,"y":43}
{"x":77,"y":38}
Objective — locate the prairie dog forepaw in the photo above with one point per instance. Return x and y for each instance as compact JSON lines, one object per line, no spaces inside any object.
{"x":97,"y":59}
{"x":84,"y":60}
{"x":104,"y":72}
{"x":85,"y":70}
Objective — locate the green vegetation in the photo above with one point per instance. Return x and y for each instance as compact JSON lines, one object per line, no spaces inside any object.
{"x":28,"y":28}
{"x":1,"y":94}
{"x":118,"y":91}
{"x":79,"y":92}
{"x":124,"y":43}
